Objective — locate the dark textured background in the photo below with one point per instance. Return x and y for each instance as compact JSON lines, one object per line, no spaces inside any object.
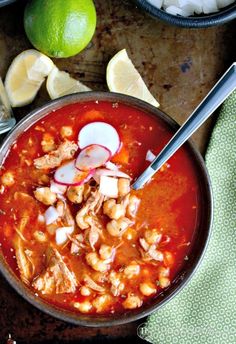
{"x":179,"y":66}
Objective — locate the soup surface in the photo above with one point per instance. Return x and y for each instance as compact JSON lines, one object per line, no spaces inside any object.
{"x":93,"y":245}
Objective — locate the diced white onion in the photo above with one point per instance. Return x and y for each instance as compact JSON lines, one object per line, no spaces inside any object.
{"x":51,"y":215}
{"x":96,"y":177}
{"x":109,"y":173}
{"x":190,"y":7}
{"x":62,"y":234}
{"x":108,"y":186}
{"x":156,"y":3}
{"x":41,"y":218}
{"x":61,"y":197}
{"x":57,"y":188}
{"x":176,"y":11}
{"x":111,"y":166}
{"x":150,"y":156}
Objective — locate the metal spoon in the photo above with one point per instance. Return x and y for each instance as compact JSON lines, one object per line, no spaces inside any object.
{"x":224,"y":87}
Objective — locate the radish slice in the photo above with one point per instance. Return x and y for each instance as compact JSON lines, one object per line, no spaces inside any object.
{"x":100,"y":133}
{"x":109,"y":173}
{"x":62,"y":234}
{"x":91,"y":157}
{"x":150,"y":156}
{"x":68,"y":174}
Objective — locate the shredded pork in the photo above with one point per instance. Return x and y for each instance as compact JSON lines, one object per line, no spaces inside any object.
{"x":57,"y":277}
{"x":65,"y":151}
{"x":24,"y":263}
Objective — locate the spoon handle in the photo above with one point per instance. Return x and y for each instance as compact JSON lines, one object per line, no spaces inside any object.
{"x":224,"y":87}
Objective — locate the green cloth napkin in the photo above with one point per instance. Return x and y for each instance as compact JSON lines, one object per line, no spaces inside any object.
{"x":205,"y":311}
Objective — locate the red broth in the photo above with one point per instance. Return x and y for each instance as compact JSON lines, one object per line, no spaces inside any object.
{"x":169,"y":203}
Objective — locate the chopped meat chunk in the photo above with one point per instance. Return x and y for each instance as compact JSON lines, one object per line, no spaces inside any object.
{"x":22,"y":197}
{"x":117,"y":285}
{"x":93,"y":285}
{"x":91,"y":207}
{"x":77,"y":243}
{"x":65,"y":151}
{"x":24,"y":263}
{"x":65,"y":213}
{"x":93,"y":236}
{"x":94,"y":202}
{"x":117,"y":227}
{"x":57,"y":277}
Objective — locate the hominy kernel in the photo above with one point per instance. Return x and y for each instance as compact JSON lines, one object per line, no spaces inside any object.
{"x":132,"y":301}
{"x":66,"y":131}
{"x":85,"y":291}
{"x":83,"y":307}
{"x":8,"y":179}
{"x":147,"y":289}
{"x":164,"y":282}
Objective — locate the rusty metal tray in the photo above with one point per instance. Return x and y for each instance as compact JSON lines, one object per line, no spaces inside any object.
{"x":178,"y":65}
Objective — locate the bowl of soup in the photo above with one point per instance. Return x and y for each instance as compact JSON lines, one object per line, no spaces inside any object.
{"x":76,"y":240}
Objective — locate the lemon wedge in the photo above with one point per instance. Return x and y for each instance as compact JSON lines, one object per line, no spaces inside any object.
{"x":60,"y":83}
{"x":123,"y":77}
{"x":26,"y":75}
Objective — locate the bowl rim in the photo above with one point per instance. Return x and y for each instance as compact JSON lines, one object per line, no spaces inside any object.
{"x":6,"y":2}
{"x":223,"y":16}
{"x":119,"y":319}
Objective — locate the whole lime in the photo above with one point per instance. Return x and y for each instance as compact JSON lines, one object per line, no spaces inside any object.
{"x":60,"y":28}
